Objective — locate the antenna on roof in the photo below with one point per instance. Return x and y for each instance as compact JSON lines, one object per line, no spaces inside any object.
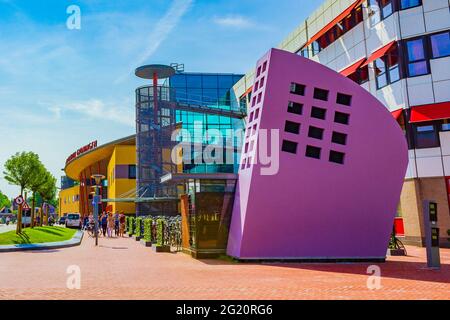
{"x":179,"y":67}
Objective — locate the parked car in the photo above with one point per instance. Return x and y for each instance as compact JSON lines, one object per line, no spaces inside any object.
{"x":62,"y":221}
{"x":73,"y":220}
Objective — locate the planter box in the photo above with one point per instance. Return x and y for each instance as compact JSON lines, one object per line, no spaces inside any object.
{"x":130,"y":235}
{"x":396,"y":252}
{"x":161,"y":249}
{"x":147,"y":244}
{"x":137,"y":238}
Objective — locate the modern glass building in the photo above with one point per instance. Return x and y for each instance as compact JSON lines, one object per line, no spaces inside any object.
{"x":196,"y":103}
{"x":210,"y":91}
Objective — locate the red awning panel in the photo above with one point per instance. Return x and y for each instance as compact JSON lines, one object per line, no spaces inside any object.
{"x":335,"y":21}
{"x":397,"y":113}
{"x":247,"y":92}
{"x":351,"y":69}
{"x":379,"y":53}
{"x":430,"y":112}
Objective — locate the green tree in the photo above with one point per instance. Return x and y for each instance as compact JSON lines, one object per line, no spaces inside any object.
{"x":39,"y":178}
{"x":4,"y":201}
{"x":19,"y":171}
{"x":48,"y":193}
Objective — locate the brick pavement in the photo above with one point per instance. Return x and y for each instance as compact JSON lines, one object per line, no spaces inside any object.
{"x":123,"y":269}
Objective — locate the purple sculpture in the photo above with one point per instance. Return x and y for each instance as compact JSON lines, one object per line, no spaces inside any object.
{"x":342,"y":162}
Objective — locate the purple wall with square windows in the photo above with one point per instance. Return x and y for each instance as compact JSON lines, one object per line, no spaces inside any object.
{"x":342,"y":161}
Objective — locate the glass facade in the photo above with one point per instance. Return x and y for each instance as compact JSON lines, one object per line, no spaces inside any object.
{"x":67,"y":183}
{"x":211,"y":91}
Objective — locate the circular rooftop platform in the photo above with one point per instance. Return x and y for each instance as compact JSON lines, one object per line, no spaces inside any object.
{"x":162,"y":71}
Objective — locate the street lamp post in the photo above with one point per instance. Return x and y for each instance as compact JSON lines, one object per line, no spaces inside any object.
{"x":97,"y":199}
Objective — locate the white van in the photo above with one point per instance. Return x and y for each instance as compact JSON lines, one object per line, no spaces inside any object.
{"x":26,"y":218}
{"x":73,"y":220}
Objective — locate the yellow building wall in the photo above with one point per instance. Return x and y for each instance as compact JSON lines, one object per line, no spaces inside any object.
{"x":69,"y":201}
{"x":122,"y":155}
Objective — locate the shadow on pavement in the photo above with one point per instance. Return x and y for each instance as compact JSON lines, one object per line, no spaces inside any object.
{"x":405,"y":270}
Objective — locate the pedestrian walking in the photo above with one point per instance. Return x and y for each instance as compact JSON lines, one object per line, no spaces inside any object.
{"x":104,"y":223}
{"x":110,"y":224}
{"x":116,"y":224}
{"x":122,"y":221}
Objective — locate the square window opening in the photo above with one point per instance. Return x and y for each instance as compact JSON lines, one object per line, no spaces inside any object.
{"x":342,"y":118}
{"x":337,"y":157}
{"x":313,"y":152}
{"x":321,"y":94}
{"x":339,"y":138}
{"x":344,"y":99}
{"x":289,"y":147}
{"x":298,"y":89}
{"x":292,"y":127}
{"x":315,"y":133}
{"x":295,"y":108}
{"x":318,"y":113}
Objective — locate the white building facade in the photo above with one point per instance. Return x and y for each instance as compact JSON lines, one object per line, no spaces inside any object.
{"x":398,"y":50}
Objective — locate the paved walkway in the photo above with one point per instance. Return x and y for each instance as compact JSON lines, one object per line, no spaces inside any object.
{"x":5,"y":228}
{"x":123,"y":269}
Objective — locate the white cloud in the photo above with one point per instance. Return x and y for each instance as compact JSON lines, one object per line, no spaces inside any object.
{"x":96,"y":109}
{"x":235,"y":21}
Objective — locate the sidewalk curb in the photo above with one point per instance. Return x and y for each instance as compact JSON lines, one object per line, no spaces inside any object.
{"x":75,"y":241}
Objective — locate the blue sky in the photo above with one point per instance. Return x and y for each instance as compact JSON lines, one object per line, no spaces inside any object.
{"x":61,"y":88}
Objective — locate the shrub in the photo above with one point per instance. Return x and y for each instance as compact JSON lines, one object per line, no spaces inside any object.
{"x":127,"y":222}
{"x":138,"y":227}
{"x":131,"y":226}
{"x":160,"y":232}
{"x":148,"y":230}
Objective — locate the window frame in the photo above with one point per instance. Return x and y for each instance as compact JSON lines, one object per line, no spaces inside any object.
{"x":388,"y":68}
{"x":432,"y":57}
{"x":436,"y":144}
{"x":130,"y":176}
{"x":426,"y":59}
{"x":401,"y":8}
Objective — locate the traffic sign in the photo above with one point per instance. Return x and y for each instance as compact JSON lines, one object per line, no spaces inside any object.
{"x":19,"y":200}
{"x":25,"y":206}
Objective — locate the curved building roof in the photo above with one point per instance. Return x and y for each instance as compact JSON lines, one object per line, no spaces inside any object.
{"x":74,"y":168}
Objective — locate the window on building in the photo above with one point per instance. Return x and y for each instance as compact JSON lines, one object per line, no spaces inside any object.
{"x":321,"y":94}
{"x":406,"y":4}
{"x":361,"y":75}
{"x":132,"y":171}
{"x":426,"y":136}
{"x":386,"y":8}
{"x":289,"y":146}
{"x":313,"y":152}
{"x":343,"y":26}
{"x":440,"y":44}
{"x":445,"y":126}
{"x":339,"y":138}
{"x":337,"y":157}
{"x":315,"y":133}
{"x":417,"y":63}
{"x":387,"y":70}
{"x":292,"y":127}
{"x":344,"y":99}
{"x":304,"y":53}
{"x":318,"y":113}
{"x":342,"y":118}
{"x":298,"y":89}
{"x":296,"y":108}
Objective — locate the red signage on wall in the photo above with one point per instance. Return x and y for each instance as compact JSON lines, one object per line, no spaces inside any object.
{"x":82,"y":150}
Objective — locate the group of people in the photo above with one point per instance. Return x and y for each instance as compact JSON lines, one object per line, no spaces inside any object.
{"x":110,"y":225}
